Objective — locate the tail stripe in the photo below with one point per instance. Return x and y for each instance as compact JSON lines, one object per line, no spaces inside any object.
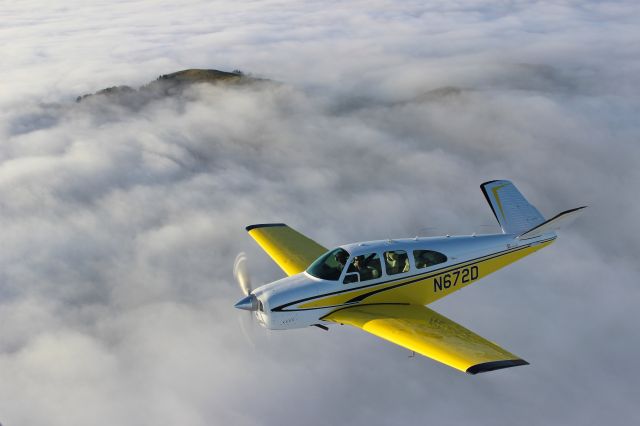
{"x":497,"y":197}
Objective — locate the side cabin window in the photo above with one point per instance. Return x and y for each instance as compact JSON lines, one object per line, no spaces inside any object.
{"x":428,"y":258}
{"x":364,"y":267}
{"x":396,"y":262}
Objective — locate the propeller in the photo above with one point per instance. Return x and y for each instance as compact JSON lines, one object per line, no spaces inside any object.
{"x":249,"y":302}
{"x":241,"y":274}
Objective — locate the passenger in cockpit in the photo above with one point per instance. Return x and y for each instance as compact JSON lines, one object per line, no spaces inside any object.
{"x":397,"y":262}
{"x":392,"y":262}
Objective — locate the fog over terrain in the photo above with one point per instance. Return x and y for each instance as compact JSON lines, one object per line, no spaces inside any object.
{"x":120,"y":223}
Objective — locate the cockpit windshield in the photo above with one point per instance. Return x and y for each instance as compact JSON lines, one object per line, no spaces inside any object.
{"x":329,"y":266}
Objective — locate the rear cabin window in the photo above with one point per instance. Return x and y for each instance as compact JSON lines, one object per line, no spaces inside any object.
{"x":396,"y":262}
{"x":364,"y":267}
{"x":329,"y":266}
{"x":428,"y":258}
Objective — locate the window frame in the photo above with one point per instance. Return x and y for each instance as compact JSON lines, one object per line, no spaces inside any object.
{"x":406,"y":252}
{"x":350,"y":261}
{"x":413,"y":256}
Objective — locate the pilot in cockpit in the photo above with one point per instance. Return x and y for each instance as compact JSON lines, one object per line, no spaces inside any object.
{"x":358,"y":265}
{"x":341,"y":257}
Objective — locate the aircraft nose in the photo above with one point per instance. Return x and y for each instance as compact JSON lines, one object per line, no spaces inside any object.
{"x":249,"y":303}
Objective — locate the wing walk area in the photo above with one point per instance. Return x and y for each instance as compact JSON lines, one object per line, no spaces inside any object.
{"x":428,"y":333}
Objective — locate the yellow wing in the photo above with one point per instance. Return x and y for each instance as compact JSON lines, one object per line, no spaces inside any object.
{"x":291,"y":250}
{"x":426,"y":332}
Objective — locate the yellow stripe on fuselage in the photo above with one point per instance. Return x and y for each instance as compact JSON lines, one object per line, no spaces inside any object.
{"x":428,"y":287}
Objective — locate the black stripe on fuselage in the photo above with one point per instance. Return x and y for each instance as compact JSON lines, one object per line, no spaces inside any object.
{"x":413,"y":279}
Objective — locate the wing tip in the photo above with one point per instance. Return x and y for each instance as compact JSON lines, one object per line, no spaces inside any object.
{"x":495,"y":365}
{"x":576,"y":209}
{"x":263,"y":225}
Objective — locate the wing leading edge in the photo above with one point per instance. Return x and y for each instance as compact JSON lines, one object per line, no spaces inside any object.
{"x":292,"y":251}
{"x":428,"y":333}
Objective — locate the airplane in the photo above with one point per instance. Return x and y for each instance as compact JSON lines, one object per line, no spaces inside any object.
{"x":382,"y":287}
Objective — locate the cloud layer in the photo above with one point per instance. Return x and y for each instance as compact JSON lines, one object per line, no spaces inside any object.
{"x":120,"y":224}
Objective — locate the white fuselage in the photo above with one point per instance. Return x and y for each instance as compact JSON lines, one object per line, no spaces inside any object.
{"x":302,"y":300}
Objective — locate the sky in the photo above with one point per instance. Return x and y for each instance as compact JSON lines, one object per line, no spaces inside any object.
{"x":120,"y":223}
